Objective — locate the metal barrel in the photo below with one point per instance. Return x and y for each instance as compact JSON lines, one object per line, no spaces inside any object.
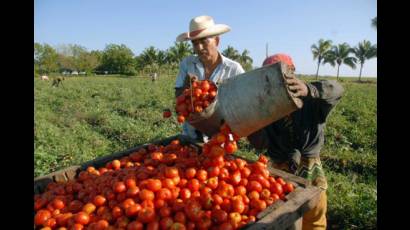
{"x":249,"y":102}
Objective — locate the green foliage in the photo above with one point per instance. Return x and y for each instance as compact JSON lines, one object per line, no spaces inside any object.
{"x":243,"y":58}
{"x":364,"y":51}
{"x":179,"y":51}
{"x":374,"y":22}
{"x":339,"y":55}
{"x":96,"y":116}
{"x":320,"y":51}
{"x":45,"y":59}
{"x":117,"y":59}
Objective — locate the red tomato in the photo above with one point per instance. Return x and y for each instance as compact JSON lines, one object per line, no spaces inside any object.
{"x":193,"y":209}
{"x":89,"y":208}
{"x":154,"y":185}
{"x":236,"y":177}
{"x":240,"y":190}
{"x":133,"y":210}
{"x":180,"y":217}
{"x":181,"y":119}
{"x":116,"y":212}
{"x":231,"y":147}
{"x":226,"y":226}
{"x":238,"y":205}
{"x":168,"y":183}
{"x":102,"y":224}
{"x":193,"y":185}
{"x":205,"y":86}
{"x":41,"y":216}
{"x":167,"y":113}
{"x":254,"y":195}
{"x":216,"y":151}
{"x":165,"y":223}
{"x":116,"y":164}
{"x":265,"y":194}
{"x":58,"y":203}
{"x":254,"y":185}
{"x":212,"y":182}
{"x":165,"y":211}
{"x":177,"y":226}
{"x":153,"y":225}
{"x":201,"y":175}
{"x":185,"y":193}
{"x":119,"y":187}
{"x":234,"y":219}
{"x":146,"y":194}
{"x":263,"y":159}
{"x":280,"y":181}
{"x":171,"y":172}
{"x":276,"y":188}
{"x":82,"y":218}
{"x":213,"y":171}
{"x":133,"y":191}
{"x":288,"y":187}
{"x":164,"y":194}
{"x":146,"y":215}
{"x":135,"y":225}
{"x":219,"y":216}
{"x":224,"y":174}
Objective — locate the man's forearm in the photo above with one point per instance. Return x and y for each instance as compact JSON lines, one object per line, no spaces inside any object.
{"x":327,"y":90}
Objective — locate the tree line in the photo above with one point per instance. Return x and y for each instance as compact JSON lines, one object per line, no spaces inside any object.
{"x":119,"y":59}
{"x":325,"y":52}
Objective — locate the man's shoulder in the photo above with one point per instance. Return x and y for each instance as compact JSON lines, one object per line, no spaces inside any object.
{"x":231,"y":63}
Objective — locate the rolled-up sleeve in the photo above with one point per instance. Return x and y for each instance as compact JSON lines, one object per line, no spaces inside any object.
{"x":327,"y":92}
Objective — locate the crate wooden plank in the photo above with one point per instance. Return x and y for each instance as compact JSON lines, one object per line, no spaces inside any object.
{"x":282,"y":215}
{"x":69,"y":173}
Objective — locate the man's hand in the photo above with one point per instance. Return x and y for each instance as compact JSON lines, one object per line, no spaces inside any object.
{"x":189,"y":78}
{"x":297,"y":87}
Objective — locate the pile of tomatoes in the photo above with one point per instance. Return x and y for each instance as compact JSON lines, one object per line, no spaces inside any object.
{"x":195,"y":98}
{"x":164,"y":187}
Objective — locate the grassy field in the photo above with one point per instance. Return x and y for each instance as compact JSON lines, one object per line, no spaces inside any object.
{"x":88,"y":117}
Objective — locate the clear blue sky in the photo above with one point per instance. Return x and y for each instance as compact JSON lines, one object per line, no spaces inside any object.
{"x":290,"y":26}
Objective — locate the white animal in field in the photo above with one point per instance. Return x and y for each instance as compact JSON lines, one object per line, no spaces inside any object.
{"x":44,"y":78}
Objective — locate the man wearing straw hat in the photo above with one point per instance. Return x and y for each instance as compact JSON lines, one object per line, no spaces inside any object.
{"x":207,"y":63}
{"x":293,"y":143}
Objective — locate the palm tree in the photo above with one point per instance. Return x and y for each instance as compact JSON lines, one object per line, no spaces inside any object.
{"x":340,"y":55}
{"x":231,"y":53}
{"x":245,"y":60}
{"x":374,"y":22}
{"x":180,"y":50}
{"x":149,"y":55}
{"x":364,"y":51}
{"x":319,"y":51}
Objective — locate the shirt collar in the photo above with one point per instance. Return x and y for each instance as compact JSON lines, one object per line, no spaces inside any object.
{"x":197,"y":61}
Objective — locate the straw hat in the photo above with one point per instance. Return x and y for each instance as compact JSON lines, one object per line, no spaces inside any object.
{"x":203,"y":26}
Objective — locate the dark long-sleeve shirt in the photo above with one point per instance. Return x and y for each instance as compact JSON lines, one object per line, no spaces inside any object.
{"x":302,"y":131}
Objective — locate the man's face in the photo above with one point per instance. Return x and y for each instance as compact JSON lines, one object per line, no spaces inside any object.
{"x":206,"y":48}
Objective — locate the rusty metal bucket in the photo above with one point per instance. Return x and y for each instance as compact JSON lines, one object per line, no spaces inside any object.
{"x":249,"y":102}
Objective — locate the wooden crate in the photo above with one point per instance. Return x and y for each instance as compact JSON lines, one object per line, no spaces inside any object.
{"x":280,"y":215}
